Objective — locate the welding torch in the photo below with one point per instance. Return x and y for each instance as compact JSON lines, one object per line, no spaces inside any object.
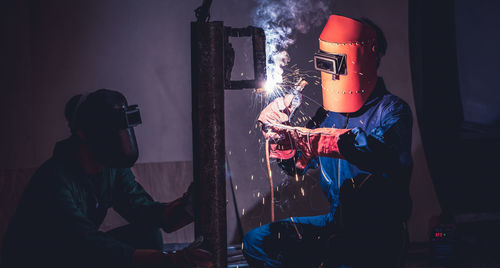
{"x":296,"y":91}
{"x":297,"y":96}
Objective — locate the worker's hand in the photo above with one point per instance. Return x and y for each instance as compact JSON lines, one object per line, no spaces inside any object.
{"x":316,"y":142}
{"x":179,"y":212}
{"x":190,"y":258}
{"x":275,"y":114}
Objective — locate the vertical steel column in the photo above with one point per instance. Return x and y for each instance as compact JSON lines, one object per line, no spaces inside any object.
{"x":259,"y":56}
{"x":207,"y":69}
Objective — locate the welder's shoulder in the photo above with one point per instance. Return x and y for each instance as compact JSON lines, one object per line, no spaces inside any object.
{"x":51,"y":174}
{"x":393,"y":104}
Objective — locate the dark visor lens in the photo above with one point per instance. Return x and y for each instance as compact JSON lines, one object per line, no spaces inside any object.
{"x":133,"y":116}
{"x":330,"y":63}
{"x":327,"y":65}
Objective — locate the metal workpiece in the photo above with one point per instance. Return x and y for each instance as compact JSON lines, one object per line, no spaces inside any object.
{"x":207,"y":61}
{"x":259,"y":57}
{"x":212,"y":60}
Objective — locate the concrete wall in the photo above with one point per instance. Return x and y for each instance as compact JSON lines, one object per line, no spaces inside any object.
{"x":55,"y":49}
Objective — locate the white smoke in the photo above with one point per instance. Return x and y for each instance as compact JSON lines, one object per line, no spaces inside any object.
{"x":281,"y":21}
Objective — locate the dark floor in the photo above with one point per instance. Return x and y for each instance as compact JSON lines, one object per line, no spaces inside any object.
{"x":418,"y":257}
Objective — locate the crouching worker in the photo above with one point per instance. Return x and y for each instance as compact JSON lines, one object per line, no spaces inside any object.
{"x":360,"y":139}
{"x":57,"y":221}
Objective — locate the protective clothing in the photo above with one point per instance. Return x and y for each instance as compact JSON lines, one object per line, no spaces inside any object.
{"x":379,"y":144}
{"x":107,"y":122}
{"x":57,"y":220}
{"x":317,"y":142}
{"x":277,"y":112}
{"x":348,"y":63}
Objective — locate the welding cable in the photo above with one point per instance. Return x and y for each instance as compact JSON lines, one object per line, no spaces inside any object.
{"x":270,"y":174}
{"x":268,"y":162}
{"x":297,"y":99}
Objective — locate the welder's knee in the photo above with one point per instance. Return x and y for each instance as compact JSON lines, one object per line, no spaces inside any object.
{"x":251,"y":241}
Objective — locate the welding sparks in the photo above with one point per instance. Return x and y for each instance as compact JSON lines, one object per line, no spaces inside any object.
{"x":281,"y":20}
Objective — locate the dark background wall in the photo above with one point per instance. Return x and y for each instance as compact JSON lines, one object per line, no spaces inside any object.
{"x":54,"y":49}
{"x":478,"y":61}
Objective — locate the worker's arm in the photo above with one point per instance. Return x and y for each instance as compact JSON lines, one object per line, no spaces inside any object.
{"x":281,"y":145}
{"x":384,"y":150}
{"x":133,"y":203}
{"x":387,"y":148}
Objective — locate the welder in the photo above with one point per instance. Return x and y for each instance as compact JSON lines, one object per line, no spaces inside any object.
{"x":361,"y":141}
{"x":57,"y":220}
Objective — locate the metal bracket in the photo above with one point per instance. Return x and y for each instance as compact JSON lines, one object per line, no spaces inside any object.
{"x":259,"y":57}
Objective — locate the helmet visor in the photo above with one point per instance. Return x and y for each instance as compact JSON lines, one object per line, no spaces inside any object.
{"x":330,"y":63}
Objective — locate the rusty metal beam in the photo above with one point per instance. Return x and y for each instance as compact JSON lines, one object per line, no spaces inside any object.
{"x":207,"y":67}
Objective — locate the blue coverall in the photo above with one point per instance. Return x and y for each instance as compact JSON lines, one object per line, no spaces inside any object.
{"x":380,"y":146}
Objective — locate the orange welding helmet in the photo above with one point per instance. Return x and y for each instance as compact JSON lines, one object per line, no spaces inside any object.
{"x":347,"y":60}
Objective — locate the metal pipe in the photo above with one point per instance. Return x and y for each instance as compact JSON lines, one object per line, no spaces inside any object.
{"x":207,"y":68}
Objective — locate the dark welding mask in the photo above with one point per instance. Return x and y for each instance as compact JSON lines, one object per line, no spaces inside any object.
{"x":107,"y":122}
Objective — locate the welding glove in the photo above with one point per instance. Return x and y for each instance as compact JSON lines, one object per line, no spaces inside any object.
{"x":278,"y":112}
{"x":179,"y":212}
{"x":317,"y":142}
{"x":185,"y":258}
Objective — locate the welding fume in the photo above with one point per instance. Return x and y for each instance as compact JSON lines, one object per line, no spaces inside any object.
{"x":360,"y":140}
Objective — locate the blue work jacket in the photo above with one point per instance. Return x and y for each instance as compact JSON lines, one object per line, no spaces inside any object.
{"x":381,"y":146}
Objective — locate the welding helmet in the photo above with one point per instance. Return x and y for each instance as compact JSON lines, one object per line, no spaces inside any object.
{"x":347,"y":59}
{"x":107,"y":123}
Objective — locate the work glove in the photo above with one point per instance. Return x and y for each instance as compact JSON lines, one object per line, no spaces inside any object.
{"x":185,"y":258}
{"x":179,"y":212}
{"x":277,"y":113}
{"x":316,"y":142}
